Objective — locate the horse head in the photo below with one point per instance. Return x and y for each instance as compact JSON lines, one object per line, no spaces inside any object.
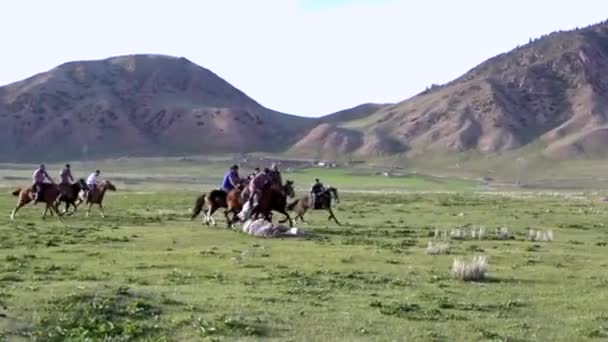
{"x":81,"y":184}
{"x":334,"y":191}
{"x":108,"y":185}
{"x":288,"y":188}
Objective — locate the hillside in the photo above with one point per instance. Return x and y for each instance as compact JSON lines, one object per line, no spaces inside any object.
{"x":549,"y":97}
{"x":552,"y":92}
{"x":135,"y":105}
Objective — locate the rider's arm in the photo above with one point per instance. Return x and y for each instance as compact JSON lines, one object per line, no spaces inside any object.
{"x":70,"y":175}
{"x":234,"y":180}
{"x":46,"y":174}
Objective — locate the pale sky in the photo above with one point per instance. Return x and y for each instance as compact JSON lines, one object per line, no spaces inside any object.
{"x":305,"y":57}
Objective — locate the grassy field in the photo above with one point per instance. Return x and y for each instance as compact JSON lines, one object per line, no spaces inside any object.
{"x":148,"y":273}
{"x":174,"y":174}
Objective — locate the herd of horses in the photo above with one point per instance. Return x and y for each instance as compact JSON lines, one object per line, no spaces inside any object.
{"x":274,"y":197}
{"x":52,"y":195}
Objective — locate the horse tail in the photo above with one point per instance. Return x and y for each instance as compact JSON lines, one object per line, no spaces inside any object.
{"x":16,"y":192}
{"x":292,"y":205}
{"x":198,"y":206}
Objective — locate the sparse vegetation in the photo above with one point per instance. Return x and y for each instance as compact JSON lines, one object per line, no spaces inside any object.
{"x":437,"y":248}
{"x":475,"y":269}
{"x":539,"y":235}
{"x":189,"y":282}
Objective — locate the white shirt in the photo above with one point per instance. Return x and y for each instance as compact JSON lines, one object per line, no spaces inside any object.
{"x":92,"y":179}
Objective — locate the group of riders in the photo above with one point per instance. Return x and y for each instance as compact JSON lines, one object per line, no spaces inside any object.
{"x":256,"y":182}
{"x":41,"y":175}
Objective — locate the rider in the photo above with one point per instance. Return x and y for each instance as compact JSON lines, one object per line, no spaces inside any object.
{"x":316,"y":189}
{"x":92,"y":181}
{"x":255,"y":172}
{"x":231,"y":179}
{"x":39,"y":176}
{"x":275,"y":176}
{"x":66,"y":175}
{"x":257,"y":184}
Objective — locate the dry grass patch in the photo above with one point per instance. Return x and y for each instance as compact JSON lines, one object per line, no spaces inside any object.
{"x":437,"y":248}
{"x":539,"y":235}
{"x":475,"y":269}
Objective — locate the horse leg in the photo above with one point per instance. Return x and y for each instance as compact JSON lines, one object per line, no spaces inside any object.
{"x":209,"y":215}
{"x":332,"y":216}
{"x":67,"y":207}
{"x":54,"y":208}
{"x":45,"y":211}
{"x":103,"y":215}
{"x":235,"y":217}
{"x":89,"y":210}
{"x":284,"y":212}
{"x":19,"y":206}
{"x":228,"y":220}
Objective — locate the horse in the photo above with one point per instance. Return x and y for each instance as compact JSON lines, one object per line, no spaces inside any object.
{"x":217,"y":199}
{"x":271,"y":199}
{"x":48,"y":194}
{"x":70,"y":195}
{"x":96,"y":196}
{"x":322,"y":202}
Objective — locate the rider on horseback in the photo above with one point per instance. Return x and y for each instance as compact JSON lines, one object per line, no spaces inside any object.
{"x":92,"y":181}
{"x":275,"y":177}
{"x":66,"y":175}
{"x":252,"y":175}
{"x":231,"y":179}
{"x":257,"y":185}
{"x":316,"y":189}
{"x":39,"y":176}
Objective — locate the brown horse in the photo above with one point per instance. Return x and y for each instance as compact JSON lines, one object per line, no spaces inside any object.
{"x":217,"y":199}
{"x":322,"y":202}
{"x":49,"y":195}
{"x":271,"y":199}
{"x":96,"y":196}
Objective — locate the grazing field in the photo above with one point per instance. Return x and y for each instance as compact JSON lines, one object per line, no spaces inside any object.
{"x":148,"y":273}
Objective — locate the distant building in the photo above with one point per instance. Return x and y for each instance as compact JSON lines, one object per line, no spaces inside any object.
{"x":325,"y":163}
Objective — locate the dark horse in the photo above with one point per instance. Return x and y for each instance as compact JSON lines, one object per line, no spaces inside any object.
{"x":322,"y":202}
{"x":217,"y":199}
{"x":272,"y":199}
{"x":70,"y":194}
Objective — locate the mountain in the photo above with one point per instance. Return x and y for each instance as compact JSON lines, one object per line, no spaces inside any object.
{"x":551,"y":93}
{"x":549,"y":96}
{"x":135,"y":105}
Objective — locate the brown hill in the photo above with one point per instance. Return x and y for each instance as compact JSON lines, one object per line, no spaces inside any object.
{"x":553,"y":91}
{"x":140,"y":104}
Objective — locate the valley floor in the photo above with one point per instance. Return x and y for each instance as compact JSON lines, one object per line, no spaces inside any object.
{"x":148,"y":272}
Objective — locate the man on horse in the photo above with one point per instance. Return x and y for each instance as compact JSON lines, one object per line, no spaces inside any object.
{"x":252,"y":175}
{"x":231,"y":179}
{"x":93,"y":181}
{"x":276,"y":179}
{"x":40,"y":175}
{"x":317,"y":188}
{"x":257,"y":185}
{"x":66,"y":177}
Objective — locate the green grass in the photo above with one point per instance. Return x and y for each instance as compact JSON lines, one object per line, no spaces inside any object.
{"x":148,"y":273}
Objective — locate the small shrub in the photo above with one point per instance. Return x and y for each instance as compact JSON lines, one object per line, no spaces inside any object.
{"x":539,"y":235}
{"x":457,"y":234}
{"x":503,"y":234}
{"x":437,"y":249}
{"x":478,"y":233}
{"x":470,"y":270}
